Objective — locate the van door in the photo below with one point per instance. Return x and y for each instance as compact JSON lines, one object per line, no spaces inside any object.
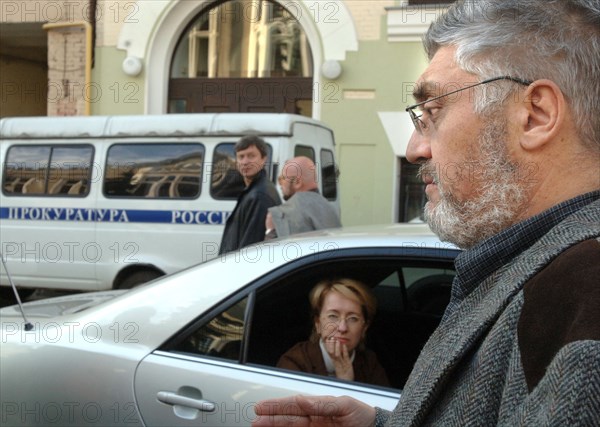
{"x":157,"y":185}
{"x":48,"y":220}
{"x":316,"y":142}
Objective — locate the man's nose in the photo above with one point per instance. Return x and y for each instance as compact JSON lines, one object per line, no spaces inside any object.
{"x":419,"y":149}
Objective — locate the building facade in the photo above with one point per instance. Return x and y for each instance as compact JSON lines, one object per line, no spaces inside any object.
{"x":351,"y":64}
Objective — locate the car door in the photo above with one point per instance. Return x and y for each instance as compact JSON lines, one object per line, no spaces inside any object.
{"x":214,"y":370}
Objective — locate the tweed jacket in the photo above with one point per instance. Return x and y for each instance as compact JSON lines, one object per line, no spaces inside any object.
{"x":304,"y":211}
{"x":523,"y":348}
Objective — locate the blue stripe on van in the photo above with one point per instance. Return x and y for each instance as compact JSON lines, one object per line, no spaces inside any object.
{"x":114,"y":215}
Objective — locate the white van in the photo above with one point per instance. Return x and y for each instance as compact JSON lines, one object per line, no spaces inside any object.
{"x":92,"y":203}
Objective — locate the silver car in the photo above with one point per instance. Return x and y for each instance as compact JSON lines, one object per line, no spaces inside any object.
{"x":200,"y":347}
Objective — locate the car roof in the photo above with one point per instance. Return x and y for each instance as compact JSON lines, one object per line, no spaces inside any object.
{"x":403,"y":234}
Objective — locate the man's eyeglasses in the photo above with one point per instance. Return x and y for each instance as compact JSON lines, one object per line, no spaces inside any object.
{"x":420,"y":125}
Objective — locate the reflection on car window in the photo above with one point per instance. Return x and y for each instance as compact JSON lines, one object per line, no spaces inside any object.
{"x":164,"y":171}
{"x":221,"y":336}
{"x":51,"y":170}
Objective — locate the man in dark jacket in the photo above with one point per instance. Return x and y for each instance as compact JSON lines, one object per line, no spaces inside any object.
{"x":246,"y":224}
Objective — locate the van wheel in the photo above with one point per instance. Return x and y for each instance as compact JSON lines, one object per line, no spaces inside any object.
{"x":138,"y":278}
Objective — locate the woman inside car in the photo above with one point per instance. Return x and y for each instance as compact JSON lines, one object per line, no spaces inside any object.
{"x":342,"y":311}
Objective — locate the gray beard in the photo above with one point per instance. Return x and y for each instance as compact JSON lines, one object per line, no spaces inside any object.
{"x":496,"y":207}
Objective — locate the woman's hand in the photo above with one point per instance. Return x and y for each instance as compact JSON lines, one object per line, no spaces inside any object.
{"x":341,"y":358}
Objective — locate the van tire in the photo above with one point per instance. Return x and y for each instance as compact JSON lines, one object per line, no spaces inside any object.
{"x":138,"y":278}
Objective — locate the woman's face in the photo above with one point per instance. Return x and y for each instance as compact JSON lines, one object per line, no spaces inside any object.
{"x":341,"y":320}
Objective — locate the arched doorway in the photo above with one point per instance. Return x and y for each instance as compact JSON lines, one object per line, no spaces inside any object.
{"x":331,"y":36}
{"x":242,"y":56}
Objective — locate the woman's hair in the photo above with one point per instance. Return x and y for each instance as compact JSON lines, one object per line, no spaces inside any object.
{"x":557,"y":40}
{"x":349,"y":288}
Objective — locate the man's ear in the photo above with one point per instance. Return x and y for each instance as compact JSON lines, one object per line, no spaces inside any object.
{"x":297,"y":182}
{"x":544,"y":114}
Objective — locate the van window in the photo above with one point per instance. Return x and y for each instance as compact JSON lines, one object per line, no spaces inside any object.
{"x":412,"y":193}
{"x":303,"y":150}
{"x":42,"y":170}
{"x":161,"y":171}
{"x":329,"y":175}
{"x":225,"y":180}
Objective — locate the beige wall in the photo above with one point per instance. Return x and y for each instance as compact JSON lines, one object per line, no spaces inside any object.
{"x":367,"y":15}
{"x":114,"y":91}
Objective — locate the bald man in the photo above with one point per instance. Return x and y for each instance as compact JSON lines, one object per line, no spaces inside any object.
{"x":305,"y":209}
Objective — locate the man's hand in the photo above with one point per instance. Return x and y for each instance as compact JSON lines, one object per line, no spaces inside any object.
{"x":314,"y":411}
{"x":269,"y":224}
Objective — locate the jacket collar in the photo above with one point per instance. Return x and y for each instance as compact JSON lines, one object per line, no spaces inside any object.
{"x":474,"y":265}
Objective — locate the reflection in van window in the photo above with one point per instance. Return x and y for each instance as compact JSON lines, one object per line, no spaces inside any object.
{"x":329,"y":175}
{"x":225,"y":180}
{"x":303,"y":150}
{"x":47,"y":170}
{"x":164,"y":171}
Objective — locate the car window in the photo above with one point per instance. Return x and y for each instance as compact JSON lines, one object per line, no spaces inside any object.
{"x":428,"y":289}
{"x":400,"y":329}
{"x":279,"y":314}
{"x":221,"y":336}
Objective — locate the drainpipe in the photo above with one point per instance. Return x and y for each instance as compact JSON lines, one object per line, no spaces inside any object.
{"x":93,"y":21}
{"x":88,"y":54}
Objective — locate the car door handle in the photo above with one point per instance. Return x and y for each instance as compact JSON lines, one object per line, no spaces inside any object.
{"x":171,"y":398}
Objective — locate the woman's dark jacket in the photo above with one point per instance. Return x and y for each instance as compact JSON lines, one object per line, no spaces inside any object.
{"x":306,"y":356}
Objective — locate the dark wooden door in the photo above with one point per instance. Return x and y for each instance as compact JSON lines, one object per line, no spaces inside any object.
{"x":214,"y":95}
